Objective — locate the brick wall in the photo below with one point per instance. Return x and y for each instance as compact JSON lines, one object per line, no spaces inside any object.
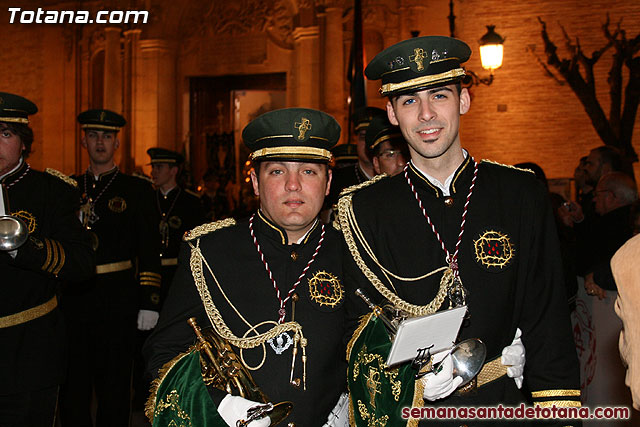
{"x":544,"y":121}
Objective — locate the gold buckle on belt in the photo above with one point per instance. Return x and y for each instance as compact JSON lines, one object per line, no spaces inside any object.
{"x":113,"y":267}
{"x":29,"y":314}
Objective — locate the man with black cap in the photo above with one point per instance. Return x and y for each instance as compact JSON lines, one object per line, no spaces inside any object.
{"x":474,"y":234}
{"x":41,"y":243}
{"x":118,"y":211}
{"x":271,"y":286}
{"x":386,"y":147}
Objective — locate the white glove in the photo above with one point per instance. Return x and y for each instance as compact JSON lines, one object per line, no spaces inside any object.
{"x":441,"y":384}
{"x":513,"y":358}
{"x":234,"y":408}
{"x":339,"y":415}
{"x":147,"y":319}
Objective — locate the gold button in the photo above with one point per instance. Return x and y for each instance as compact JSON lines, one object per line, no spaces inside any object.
{"x":294,"y":255}
{"x":448,"y":201}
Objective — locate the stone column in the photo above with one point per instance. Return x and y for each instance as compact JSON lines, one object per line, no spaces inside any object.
{"x":306,"y":66}
{"x":131,"y":64}
{"x":112,"y":70}
{"x":333,"y":67}
{"x":155,"y":100}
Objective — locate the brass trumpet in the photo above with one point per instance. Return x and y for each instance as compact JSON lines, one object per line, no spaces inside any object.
{"x":222,"y":369}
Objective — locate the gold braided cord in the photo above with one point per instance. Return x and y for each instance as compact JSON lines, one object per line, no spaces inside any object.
{"x":357,"y":187}
{"x":216,"y":318}
{"x":347,"y":217}
{"x":210,"y":227}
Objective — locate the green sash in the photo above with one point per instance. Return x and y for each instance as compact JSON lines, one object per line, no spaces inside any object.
{"x":179,"y":397}
{"x":377,"y":394}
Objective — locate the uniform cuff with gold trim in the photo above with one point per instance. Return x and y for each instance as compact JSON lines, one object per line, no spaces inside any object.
{"x":150,"y":291}
{"x":561,"y":398}
{"x":47,"y":255}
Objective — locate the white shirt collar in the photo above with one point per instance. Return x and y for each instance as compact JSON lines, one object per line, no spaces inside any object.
{"x":444,"y":187}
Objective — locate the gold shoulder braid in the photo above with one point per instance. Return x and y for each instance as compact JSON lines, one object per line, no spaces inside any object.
{"x":349,"y":227}
{"x":221,"y":327}
{"x":354,"y":188}
{"x":207,"y":228}
{"x":507,"y":166}
{"x":72,"y":182}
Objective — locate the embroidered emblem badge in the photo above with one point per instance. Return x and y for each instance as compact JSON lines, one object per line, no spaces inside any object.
{"x":418,"y":57}
{"x":102,"y":116}
{"x":117,"y":204}
{"x":28,"y":218}
{"x":325,"y":289}
{"x":493,"y":249}
{"x":303,"y":126}
{"x":281,"y":343}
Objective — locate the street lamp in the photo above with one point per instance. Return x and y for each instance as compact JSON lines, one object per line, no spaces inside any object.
{"x":491,"y":52}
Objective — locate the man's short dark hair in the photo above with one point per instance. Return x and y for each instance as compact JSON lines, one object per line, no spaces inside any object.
{"x":24,"y":132}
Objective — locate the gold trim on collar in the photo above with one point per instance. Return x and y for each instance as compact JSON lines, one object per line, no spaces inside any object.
{"x":293,"y":150}
{"x":388,"y":88}
{"x":266,"y":221}
{"x":385,"y":138}
{"x":14,"y":120}
{"x":313,"y":227}
{"x":100,"y":127}
{"x":464,"y":166}
{"x":421,"y":176}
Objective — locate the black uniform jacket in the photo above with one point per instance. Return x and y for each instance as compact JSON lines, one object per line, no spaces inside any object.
{"x":57,"y":248}
{"x":509,"y":262}
{"x":126,"y":230}
{"x":233,"y":258}
{"x":180,"y":211}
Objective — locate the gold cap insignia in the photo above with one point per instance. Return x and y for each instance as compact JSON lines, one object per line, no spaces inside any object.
{"x":303,"y":126}
{"x":418,"y":57}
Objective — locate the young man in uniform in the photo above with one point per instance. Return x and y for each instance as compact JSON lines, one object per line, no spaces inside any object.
{"x":118,"y":211}
{"x":271,"y":285}
{"x":54,"y":248}
{"x":453,"y":232}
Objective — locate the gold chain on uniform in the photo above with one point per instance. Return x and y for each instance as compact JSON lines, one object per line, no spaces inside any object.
{"x":348,"y":222}
{"x":221,"y":327}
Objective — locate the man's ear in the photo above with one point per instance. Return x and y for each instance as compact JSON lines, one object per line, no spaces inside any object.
{"x":116,"y":144}
{"x":254,"y":183}
{"x":465,"y":100}
{"x":329,"y":177}
{"x":376,"y":165}
{"x":83,"y":141}
{"x":391,"y":114}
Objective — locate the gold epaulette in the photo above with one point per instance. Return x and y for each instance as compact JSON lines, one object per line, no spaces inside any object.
{"x":357,"y":187}
{"x":207,"y":228}
{"x":507,"y":166}
{"x":193,"y":193}
{"x":62,"y":176}
{"x":142,"y":176}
